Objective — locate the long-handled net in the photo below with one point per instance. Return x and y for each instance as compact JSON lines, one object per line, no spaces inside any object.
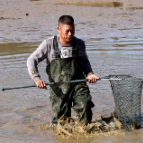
{"x":127,"y":92}
{"x":127,"y":97}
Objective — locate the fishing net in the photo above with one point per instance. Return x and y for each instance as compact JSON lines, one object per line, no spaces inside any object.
{"x":127,"y":92}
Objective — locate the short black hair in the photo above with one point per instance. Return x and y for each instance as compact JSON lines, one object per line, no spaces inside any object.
{"x":66,"y":19}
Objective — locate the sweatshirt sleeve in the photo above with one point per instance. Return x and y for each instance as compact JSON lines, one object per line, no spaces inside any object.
{"x":86,"y":64}
{"x":35,"y":58}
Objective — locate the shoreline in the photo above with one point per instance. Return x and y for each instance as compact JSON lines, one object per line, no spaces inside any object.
{"x":33,"y":21}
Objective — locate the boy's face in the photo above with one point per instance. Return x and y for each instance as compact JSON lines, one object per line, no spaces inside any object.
{"x":66,"y":32}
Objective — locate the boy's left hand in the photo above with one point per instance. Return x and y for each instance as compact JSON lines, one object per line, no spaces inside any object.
{"x":92,"y":78}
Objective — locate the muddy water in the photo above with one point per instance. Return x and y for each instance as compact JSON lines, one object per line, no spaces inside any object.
{"x":113,"y":33}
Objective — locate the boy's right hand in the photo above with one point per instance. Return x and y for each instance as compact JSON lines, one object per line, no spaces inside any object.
{"x":41,"y":84}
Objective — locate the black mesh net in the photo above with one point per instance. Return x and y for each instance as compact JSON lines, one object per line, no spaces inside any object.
{"x":127,"y":97}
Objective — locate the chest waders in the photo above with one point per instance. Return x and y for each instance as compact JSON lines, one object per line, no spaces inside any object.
{"x":65,"y":96}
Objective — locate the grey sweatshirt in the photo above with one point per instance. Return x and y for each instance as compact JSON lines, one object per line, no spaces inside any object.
{"x":46,"y":51}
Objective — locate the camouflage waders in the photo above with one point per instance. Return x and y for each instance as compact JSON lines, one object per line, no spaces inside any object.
{"x":65,"y":96}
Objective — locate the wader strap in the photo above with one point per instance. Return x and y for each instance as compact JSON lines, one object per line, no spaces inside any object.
{"x":74,"y":53}
{"x":56,"y":47}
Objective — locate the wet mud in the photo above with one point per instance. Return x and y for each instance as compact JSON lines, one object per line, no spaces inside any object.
{"x":71,"y":128}
{"x":92,"y":4}
{"x":37,"y":20}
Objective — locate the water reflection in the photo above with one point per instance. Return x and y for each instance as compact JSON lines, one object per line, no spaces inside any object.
{"x":92,"y":44}
{"x":115,"y":44}
{"x":17,"y":48}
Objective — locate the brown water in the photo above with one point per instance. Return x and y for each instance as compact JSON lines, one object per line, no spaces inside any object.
{"x":113,"y":33}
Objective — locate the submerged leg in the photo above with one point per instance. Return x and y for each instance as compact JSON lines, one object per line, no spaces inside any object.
{"x":85,"y":115}
{"x":61,"y":106}
{"x":65,"y":112}
{"x":82,"y":103}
